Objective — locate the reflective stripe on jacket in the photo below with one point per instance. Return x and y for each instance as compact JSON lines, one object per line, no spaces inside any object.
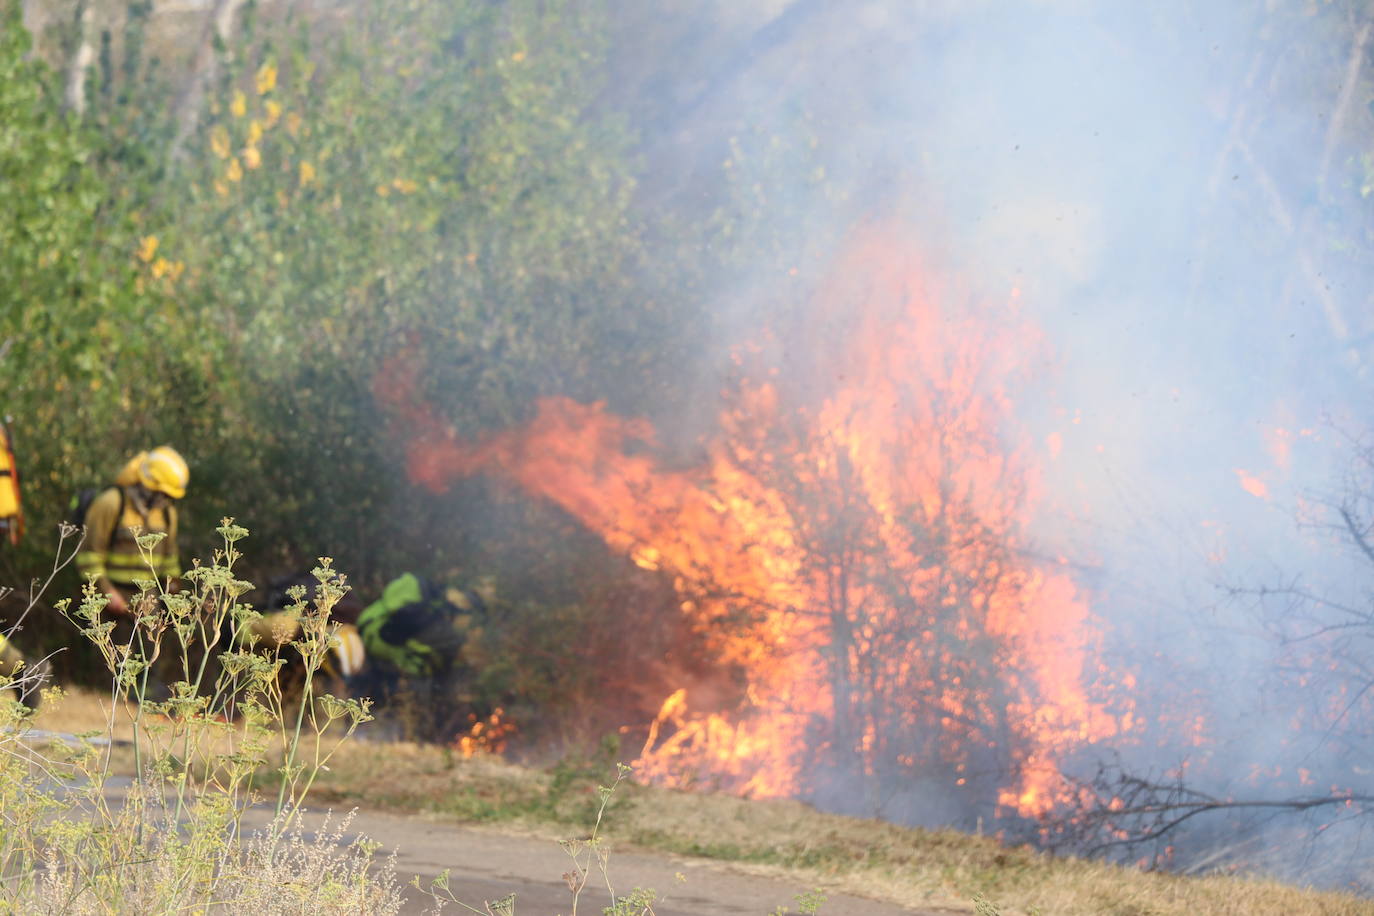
{"x":111,"y":547}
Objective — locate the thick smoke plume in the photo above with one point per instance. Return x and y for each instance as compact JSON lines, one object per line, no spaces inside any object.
{"x":1173,"y":196}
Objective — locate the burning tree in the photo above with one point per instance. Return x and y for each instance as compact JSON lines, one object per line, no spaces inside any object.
{"x":899,"y":608}
{"x":853,"y":553}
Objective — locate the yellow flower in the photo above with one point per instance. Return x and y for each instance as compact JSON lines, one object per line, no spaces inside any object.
{"x":518,"y":56}
{"x":251,"y":157}
{"x":273,"y":111}
{"x":254,"y":133}
{"x":239,"y":106}
{"x":405,"y":186}
{"x":221,"y":189}
{"x":219,"y":141}
{"x":169,"y":269}
{"x":307,"y":174}
{"x":293,"y":123}
{"x":383,"y":190}
{"x":267,"y":77}
{"x":147,"y":247}
{"x":235,"y":172}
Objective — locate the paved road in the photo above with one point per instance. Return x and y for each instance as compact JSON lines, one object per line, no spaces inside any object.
{"x":487,"y":865}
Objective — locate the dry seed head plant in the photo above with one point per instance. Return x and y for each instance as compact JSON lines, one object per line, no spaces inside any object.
{"x":195,"y":829}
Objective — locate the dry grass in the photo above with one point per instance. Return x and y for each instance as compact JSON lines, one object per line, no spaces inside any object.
{"x":945,"y":868}
{"x":85,"y":710}
{"x":176,"y":837}
{"x":915,"y":868}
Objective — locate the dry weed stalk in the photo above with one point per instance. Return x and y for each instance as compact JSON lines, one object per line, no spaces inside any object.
{"x":76,"y":840}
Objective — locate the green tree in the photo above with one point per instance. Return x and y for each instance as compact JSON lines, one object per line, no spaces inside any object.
{"x":81,"y":320}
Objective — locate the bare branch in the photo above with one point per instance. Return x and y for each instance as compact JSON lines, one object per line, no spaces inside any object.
{"x":81,"y":58}
{"x":219,"y":26}
{"x":1121,"y":810}
{"x":1179,"y":813}
{"x":1284,"y":217}
{"x":1342,"y":110}
{"x":1356,"y":535}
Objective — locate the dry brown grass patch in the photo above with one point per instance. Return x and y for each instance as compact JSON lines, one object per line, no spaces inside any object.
{"x":911,"y":867}
{"x":786,"y":839}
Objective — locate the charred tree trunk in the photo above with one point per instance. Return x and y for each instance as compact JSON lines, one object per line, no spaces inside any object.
{"x":845,"y":736}
{"x":832,"y":555}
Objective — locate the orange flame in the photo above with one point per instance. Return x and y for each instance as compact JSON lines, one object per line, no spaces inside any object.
{"x":1252,"y":484}
{"x":854,"y":547}
{"x":485,"y":736}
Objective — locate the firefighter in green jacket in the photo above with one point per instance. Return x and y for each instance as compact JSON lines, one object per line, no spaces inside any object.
{"x":144,"y":497}
{"x":422,"y":644}
{"x":418,"y":629}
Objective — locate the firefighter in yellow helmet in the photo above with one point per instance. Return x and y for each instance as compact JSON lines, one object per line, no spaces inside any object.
{"x":143,"y":496}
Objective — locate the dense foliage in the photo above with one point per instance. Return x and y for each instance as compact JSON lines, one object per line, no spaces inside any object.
{"x":436,"y":181}
{"x":436,"y":186}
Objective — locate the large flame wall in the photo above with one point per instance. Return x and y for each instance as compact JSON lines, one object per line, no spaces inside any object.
{"x":854,"y":549}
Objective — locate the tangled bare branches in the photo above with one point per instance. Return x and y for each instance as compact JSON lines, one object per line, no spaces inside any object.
{"x":1123,"y":812}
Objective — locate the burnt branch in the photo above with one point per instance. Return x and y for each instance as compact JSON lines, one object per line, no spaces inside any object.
{"x":1119,"y":810}
{"x":1356,"y":535}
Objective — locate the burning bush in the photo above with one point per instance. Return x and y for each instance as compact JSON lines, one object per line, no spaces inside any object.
{"x":853,"y":555}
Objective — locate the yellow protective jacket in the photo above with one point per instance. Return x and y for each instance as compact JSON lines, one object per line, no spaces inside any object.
{"x":11,"y":508}
{"x":111,"y":549}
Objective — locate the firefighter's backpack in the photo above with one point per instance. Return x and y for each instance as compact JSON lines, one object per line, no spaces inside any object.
{"x":410,"y":626}
{"x":81,"y":505}
{"x":11,"y":506}
{"x":408,"y":606}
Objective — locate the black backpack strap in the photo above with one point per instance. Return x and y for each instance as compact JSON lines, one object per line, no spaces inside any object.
{"x":119,"y":516}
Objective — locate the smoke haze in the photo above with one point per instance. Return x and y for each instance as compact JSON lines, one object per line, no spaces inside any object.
{"x":1158,"y":186}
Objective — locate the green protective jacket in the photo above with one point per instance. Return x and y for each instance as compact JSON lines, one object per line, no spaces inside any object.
{"x":412,"y":628}
{"x":111,"y":548}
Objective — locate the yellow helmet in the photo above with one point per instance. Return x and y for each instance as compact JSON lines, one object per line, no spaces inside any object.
{"x":128,"y":475}
{"x":165,"y":471}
